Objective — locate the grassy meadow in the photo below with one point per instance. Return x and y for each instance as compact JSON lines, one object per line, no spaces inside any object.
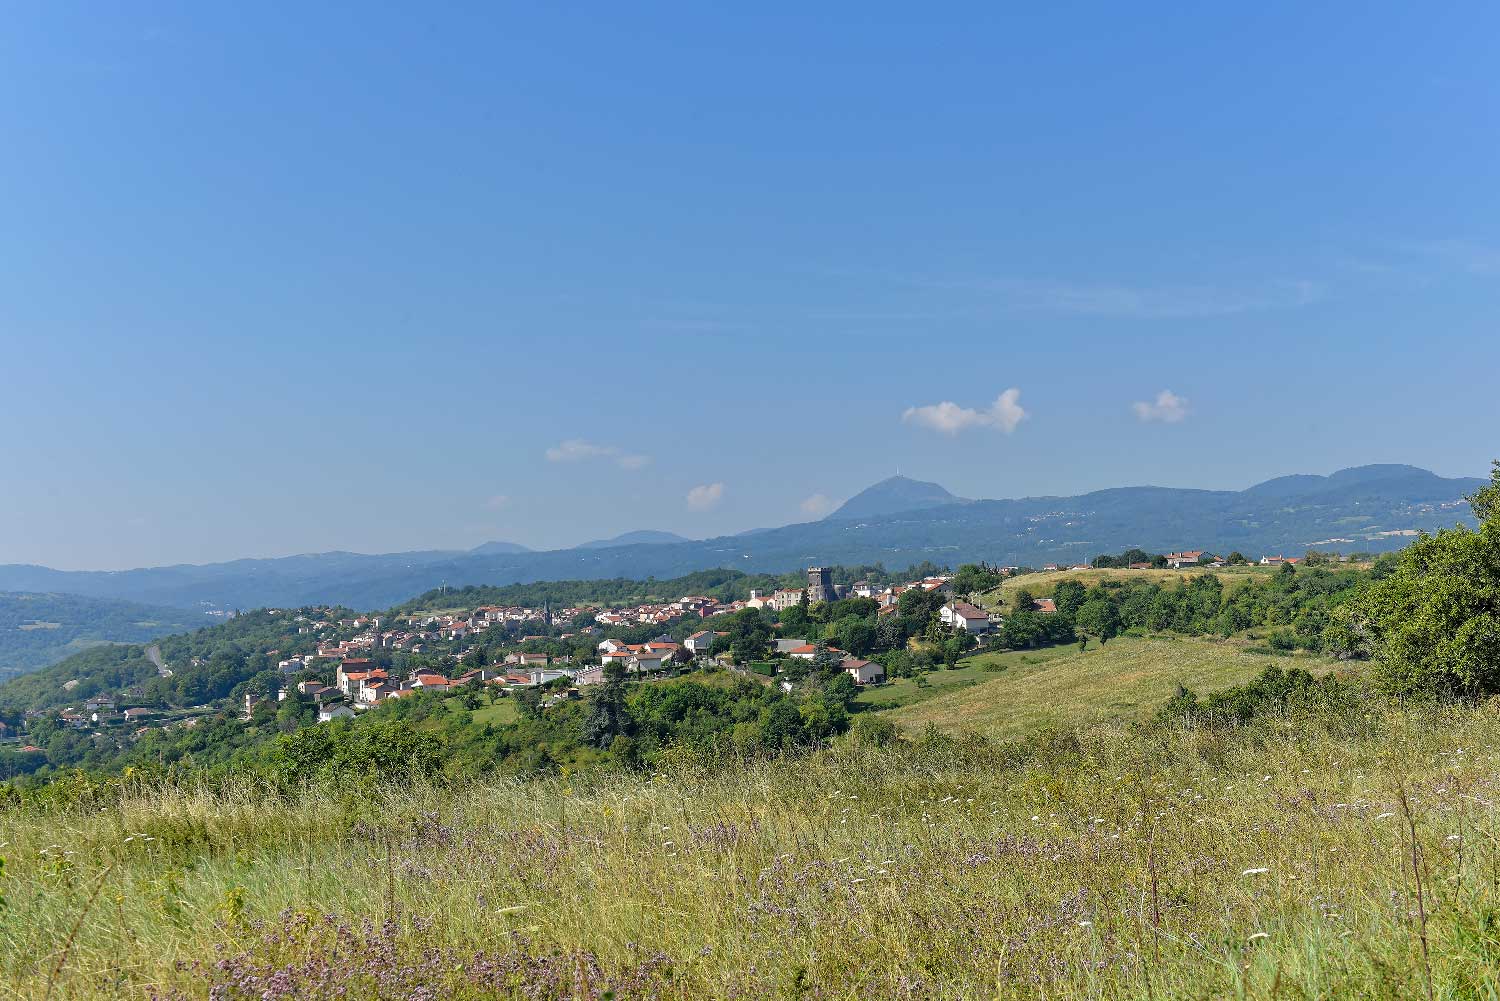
{"x":1031,"y":842}
{"x":1126,"y":678}
{"x":1266,"y":863}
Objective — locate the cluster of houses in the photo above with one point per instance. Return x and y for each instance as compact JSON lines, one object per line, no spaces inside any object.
{"x":358,"y":683}
{"x":1178,"y":561}
{"x":100,"y":710}
{"x":666,"y":613}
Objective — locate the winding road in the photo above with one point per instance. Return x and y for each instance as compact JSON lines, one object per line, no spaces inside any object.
{"x":153,"y":654}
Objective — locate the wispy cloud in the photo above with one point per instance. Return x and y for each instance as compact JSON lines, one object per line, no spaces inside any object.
{"x":1136,"y":301}
{"x":705,"y":497}
{"x":579,"y":450}
{"x":1167,"y":408}
{"x":496,"y":502}
{"x":817,"y":505}
{"x":950,"y":418}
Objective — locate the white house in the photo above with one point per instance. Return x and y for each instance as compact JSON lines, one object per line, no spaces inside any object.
{"x":1187,"y":558}
{"x":809,"y":651}
{"x":646,"y":661}
{"x":863,"y":672}
{"x":700,"y":642}
{"x":966,"y":617}
{"x":336,"y":711}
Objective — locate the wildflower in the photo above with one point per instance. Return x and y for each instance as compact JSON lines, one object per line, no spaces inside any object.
{"x":1255,"y":872}
{"x":1385,"y":815}
{"x":1085,"y":924}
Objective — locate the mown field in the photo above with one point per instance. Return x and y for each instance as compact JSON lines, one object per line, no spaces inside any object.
{"x":970,"y":672}
{"x":1009,"y":695}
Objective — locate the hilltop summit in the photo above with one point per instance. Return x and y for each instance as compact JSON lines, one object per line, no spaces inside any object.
{"x":893,"y":495}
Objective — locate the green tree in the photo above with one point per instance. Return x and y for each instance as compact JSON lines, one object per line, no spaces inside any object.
{"x":780,"y":725}
{"x":1485,"y":502}
{"x":1432,"y":622}
{"x":1068,"y":596}
{"x":608,"y":717}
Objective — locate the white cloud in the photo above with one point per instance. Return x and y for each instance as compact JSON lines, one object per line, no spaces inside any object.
{"x":705,"y":497}
{"x":496,"y":502}
{"x":578,"y":450}
{"x":817,"y":505}
{"x":950,"y":418}
{"x":1167,"y":408}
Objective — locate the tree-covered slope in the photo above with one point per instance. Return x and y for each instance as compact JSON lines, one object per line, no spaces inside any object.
{"x":37,"y":629}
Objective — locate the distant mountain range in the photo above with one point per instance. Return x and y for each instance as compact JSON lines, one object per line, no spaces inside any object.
{"x":897,"y":522}
{"x":643,"y":537}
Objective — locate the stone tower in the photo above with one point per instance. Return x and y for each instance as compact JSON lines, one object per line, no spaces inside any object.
{"x":820,"y":585}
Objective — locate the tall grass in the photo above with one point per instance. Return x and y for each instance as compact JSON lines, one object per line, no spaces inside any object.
{"x":1282,"y":861}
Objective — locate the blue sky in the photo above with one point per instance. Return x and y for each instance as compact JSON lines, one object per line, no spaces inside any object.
{"x":277,"y":279}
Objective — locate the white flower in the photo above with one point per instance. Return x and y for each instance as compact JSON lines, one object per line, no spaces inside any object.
{"x":1385,"y":815}
{"x":1085,"y":924}
{"x":1255,"y":872}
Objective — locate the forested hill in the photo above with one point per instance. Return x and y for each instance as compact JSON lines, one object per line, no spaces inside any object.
{"x":41,"y":629}
{"x":206,"y":664}
{"x":1366,"y":508}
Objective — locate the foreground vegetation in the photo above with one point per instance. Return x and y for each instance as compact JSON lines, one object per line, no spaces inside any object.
{"x":1290,"y":858}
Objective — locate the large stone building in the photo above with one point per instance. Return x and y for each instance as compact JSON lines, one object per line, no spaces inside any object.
{"x":820,"y":585}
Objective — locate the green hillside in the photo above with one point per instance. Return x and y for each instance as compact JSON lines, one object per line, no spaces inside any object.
{"x":1126,"y":679}
{"x":41,"y":629}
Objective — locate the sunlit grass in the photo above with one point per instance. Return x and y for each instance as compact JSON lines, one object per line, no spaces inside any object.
{"x":1105,"y":864}
{"x":1127,"y":678}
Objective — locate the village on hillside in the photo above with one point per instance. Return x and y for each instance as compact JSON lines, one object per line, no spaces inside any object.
{"x":343,"y":664}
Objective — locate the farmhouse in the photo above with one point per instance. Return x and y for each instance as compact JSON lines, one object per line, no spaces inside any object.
{"x":863,"y":672}
{"x":965,"y":617}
